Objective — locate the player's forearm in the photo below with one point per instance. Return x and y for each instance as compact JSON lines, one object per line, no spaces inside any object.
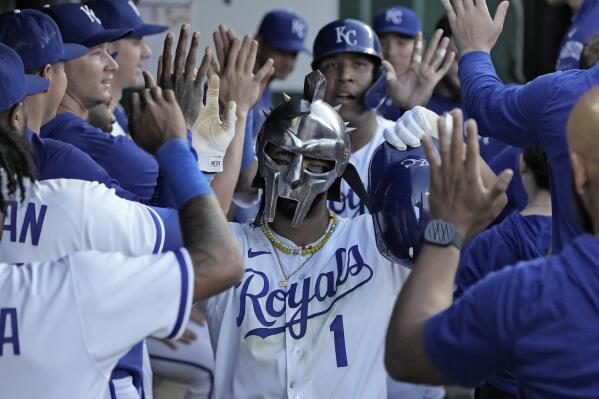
{"x":224,"y":183}
{"x":428,"y":291}
{"x":206,"y":235}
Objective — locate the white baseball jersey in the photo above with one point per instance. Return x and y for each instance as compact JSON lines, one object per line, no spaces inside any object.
{"x":62,"y":216}
{"x":63,"y":325}
{"x":350,"y":205}
{"x":320,"y":337}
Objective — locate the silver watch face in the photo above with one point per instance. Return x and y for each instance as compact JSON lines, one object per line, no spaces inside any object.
{"x":439,"y":232}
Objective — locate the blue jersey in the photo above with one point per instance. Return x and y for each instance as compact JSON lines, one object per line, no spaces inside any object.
{"x":517,"y":198}
{"x":55,"y":159}
{"x":489,"y":147}
{"x":135,"y":169}
{"x":584,"y":25}
{"x":537,"y":319}
{"x":529,"y":115}
{"x":515,"y":239}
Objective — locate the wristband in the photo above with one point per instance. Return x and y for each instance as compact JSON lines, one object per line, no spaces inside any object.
{"x":181,"y":171}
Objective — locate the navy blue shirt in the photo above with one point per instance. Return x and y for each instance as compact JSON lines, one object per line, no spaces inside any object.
{"x":529,"y":115}
{"x":515,"y":239}
{"x":584,"y":25}
{"x":135,"y":169}
{"x":538,"y":319}
{"x":54,"y":159}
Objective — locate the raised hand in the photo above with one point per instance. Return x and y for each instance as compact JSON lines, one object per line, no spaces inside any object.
{"x":472,"y":26}
{"x":413,"y":126}
{"x":239,"y":83}
{"x":416,"y":86}
{"x":211,"y":136}
{"x":155,"y":117}
{"x":179,"y":74}
{"x":457,"y":192}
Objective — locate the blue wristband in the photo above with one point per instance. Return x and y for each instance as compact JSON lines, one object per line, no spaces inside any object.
{"x":181,"y":171}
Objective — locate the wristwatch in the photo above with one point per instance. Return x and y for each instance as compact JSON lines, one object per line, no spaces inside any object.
{"x":442,"y":233}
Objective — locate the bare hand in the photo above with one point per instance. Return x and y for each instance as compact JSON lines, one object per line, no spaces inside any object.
{"x":155,"y":117}
{"x":181,"y":76}
{"x":472,"y":26}
{"x":416,"y":86}
{"x":238,"y":82}
{"x":197,"y":316}
{"x":187,"y":338}
{"x":457,"y":192}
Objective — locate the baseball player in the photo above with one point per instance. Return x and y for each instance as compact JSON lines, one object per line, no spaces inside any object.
{"x":397,"y":28}
{"x":37,"y":40}
{"x":88,"y":84}
{"x":131,"y":51}
{"x":301,"y":321}
{"x":520,"y":115}
{"x":90,"y":299}
{"x":348,"y":53}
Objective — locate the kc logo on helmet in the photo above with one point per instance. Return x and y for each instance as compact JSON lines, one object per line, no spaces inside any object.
{"x":90,"y":14}
{"x":394,"y":16}
{"x":298,"y":28}
{"x":348,"y":37}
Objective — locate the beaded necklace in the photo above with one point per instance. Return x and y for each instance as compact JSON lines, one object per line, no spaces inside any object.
{"x":307,"y":249}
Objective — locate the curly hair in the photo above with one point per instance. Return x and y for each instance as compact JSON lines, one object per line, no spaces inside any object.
{"x":16,"y":161}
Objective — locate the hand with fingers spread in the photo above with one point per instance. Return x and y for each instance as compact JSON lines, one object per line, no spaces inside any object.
{"x":239,"y":83}
{"x":179,"y":74}
{"x":457,"y":192}
{"x":211,"y":136}
{"x":472,"y":26}
{"x":155,"y":118}
{"x":416,"y":86}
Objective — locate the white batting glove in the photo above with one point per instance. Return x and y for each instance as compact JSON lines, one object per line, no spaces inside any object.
{"x":211,"y":136}
{"x":413,"y":125}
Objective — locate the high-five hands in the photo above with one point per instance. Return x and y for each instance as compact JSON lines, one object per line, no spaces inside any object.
{"x":180,"y":75}
{"x":457,"y":192}
{"x":472,"y":26}
{"x":416,"y":86}
{"x":211,"y":136}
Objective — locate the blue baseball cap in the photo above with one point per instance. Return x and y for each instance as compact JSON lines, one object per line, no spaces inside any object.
{"x":123,"y":14}
{"x":36,"y":38}
{"x":397,"y":19}
{"x":284,"y":30}
{"x":15,"y":85}
{"x":79,"y":24}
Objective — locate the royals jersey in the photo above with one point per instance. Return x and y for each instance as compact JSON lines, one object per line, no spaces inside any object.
{"x":62,"y":216}
{"x":321,"y":336}
{"x":350,"y":205}
{"x":63,"y":325}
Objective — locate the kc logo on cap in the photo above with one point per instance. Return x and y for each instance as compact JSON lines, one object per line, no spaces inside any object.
{"x":343,"y":36}
{"x":394,"y":16}
{"x":298,"y":27}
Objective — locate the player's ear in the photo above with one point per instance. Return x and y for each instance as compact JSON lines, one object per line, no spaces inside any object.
{"x":17,"y":117}
{"x":580,"y":173}
{"x":46,"y":72}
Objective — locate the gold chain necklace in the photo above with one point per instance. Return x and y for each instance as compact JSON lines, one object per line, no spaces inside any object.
{"x":285,"y":280}
{"x":307,"y":249}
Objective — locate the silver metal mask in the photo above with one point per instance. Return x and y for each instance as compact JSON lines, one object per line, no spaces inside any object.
{"x":306,"y":127}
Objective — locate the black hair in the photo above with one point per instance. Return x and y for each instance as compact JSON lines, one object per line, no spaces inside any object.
{"x":443,"y":23}
{"x":536,"y":160}
{"x":15,"y":159}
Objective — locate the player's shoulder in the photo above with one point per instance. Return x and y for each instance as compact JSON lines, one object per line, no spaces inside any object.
{"x":68,"y":191}
{"x":359,"y":226}
{"x":245,"y":232}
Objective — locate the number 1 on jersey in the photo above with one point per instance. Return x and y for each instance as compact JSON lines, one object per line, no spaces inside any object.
{"x":339,"y":335}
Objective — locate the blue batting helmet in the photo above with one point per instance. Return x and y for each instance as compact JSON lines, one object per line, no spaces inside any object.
{"x":398,"y":191}
{"x":346,"y":36}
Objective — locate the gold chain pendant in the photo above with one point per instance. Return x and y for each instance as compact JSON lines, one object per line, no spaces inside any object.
{"x":283,"y":283}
